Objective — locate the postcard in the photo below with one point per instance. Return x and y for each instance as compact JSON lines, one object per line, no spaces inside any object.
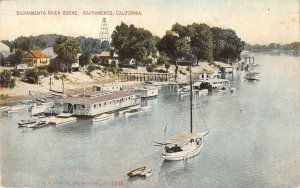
{"x":124,"y":93}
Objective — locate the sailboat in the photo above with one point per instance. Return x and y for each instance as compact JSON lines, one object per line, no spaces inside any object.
{"x":185,"y":144}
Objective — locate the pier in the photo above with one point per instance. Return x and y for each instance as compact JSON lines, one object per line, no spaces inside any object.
{"x":136,"y":76}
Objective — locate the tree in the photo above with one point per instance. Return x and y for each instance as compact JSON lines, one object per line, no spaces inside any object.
{"x":6,"y":80}
{"x":167,"y":65}
{"x":162,"y":59}
{"x":132,"y":42}
{"x":201,"y":41}
{"x":16,"y":58}
{"x":227,"y":46}
{"x":174,"y":47}
{"x":167,"y":46}
{"x":66,"y":49}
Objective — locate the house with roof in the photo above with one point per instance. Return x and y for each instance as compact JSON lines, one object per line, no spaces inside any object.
{"x":107,"y":57}
{"x":207,"y":74}
{"x":36,"y":58}
{"x":224,"y":67}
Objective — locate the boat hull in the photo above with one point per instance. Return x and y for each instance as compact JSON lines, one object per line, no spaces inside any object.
{"x":107,"y":117}
{"x":183,"y":155}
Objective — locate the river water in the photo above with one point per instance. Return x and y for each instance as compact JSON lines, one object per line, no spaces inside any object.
{"x":253,"y":140}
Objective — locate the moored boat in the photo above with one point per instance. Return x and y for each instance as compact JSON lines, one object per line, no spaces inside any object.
{"x":136,"y":172}
{"x":17,"y":108}
{"x":133,"y":111}
{"x":103,"y":117}
{"x":146,"y":173}
{"x":252,"y":76}
{"x":26,"y":123}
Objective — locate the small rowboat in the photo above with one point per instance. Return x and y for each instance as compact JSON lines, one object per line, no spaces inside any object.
{"x":103,"y":117}
{"x":146,"y":173}
{"x":25,"y":123}
{"x":136,"y":172}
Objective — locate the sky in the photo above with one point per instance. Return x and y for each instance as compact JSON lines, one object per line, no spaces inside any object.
{"x":255,"y":21}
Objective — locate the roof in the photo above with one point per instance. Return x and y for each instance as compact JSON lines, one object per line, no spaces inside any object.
{"x":206,"y":71}
{"x":3,"y":47}
{"x":93,"y":100}
{"x":5,"y":53}
{"x":105,"y":54}
{"x":223,"y":65}
{"x":38,"y":54}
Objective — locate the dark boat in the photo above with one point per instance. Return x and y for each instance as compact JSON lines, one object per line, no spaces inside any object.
{"x":136,"y":172}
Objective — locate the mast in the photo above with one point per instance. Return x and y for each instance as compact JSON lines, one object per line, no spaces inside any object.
{"x":191,"y":96}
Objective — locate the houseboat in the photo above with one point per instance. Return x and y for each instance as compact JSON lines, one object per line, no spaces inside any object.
{"x":147,"y":92}
{"x":107,"y":88}
{"x":215,"y":83}
{"x":96,"y":103}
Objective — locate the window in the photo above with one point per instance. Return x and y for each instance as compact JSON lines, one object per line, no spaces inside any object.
{"x":94,"y":106}
{"x":83,"y":106}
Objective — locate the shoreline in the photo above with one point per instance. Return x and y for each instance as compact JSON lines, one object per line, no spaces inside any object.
{"x":9,"y":99}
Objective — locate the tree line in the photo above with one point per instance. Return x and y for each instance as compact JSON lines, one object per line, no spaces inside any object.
{"x":23,"y":44}
{"x":293,"y":46}
{"x":199,"y":40}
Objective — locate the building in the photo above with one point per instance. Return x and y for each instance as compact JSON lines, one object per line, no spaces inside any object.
{"x":185,"y":62}
{"x":107,"y":88}
{"x":21,"y":67}
{"x":208,"y":74}
{"x":96,"y":103}
{"x":224,"y":68}
{"x":36,"y":58}
{"x":107,"y":57}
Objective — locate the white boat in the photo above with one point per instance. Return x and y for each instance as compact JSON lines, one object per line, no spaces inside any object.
{"x":186,"y":144}
{"x":41,"y":99}
{"x":17,"y":108}
{"x":146,"y":173}
{"x":146,"y":108}
{"x":41,"y":123}
{"x":203,"y":91}
{"x":185,"y":91}
{"x":103,"y":117}
{"x":54,"y":120}
{"x":4,"y":108}
{"x":132,"y":111}
{"x":252,"y":76}
{"x":157,"y":84}
{"x":41,"y":108}
{"x":183,"y":146}
{"x":223,"y":89}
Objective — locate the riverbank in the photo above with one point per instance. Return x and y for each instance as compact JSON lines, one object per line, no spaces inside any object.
{"x":78,"y":82}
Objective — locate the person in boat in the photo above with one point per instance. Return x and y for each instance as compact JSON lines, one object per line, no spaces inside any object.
{"x":173,"y":149}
